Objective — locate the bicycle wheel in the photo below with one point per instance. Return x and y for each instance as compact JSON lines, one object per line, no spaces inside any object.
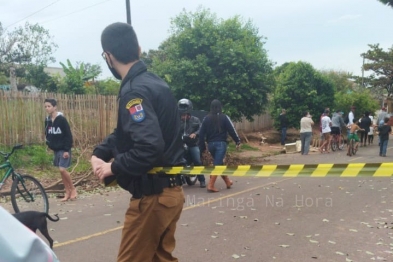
{"x":191,"y":179}
{"x":334,"y":144}
{"x":27,"y":194}
{"x":354,"y":149}
{"x":350,"y":144}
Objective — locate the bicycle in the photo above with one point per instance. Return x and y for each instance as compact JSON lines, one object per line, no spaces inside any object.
{"x":334,"y":144}
{"x":352,"y":148}
{"x":24,"y":187}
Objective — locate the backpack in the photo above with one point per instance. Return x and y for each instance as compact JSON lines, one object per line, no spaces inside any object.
{"x":346,"y":120}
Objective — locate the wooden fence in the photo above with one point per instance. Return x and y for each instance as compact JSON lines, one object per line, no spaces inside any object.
{"x":91,"y":117}
{"x":261,"y":122}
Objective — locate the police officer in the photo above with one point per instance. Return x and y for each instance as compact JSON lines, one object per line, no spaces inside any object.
{"x":147,"y":135}
{"x":190,"y":126}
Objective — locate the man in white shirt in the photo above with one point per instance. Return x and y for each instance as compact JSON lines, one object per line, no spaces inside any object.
{"x":326,"y":123}
{"x":351,"y":115}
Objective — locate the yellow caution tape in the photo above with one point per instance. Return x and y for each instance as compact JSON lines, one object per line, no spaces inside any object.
{"x":295,"y":170}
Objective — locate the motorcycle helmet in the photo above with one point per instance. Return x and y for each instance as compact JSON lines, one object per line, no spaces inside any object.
{"x":185,"y":106}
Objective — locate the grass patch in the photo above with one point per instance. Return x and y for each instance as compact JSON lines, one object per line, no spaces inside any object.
{"x":37,"y":160}
{"x":243,"y":147}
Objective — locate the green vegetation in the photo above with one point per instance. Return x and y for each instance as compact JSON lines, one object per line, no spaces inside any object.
{"x":209,"y":58}
{"x":379,"y":62}
{"x":243,"y":147}
{"x":37,"y":160}
{"x":299,"y":88}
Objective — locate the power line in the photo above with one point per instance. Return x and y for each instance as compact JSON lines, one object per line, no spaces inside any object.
{"x":77,"y":11}
{"x":32,"y":14}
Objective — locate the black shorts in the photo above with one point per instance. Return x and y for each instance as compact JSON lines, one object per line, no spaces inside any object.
{"x":335,"y":130}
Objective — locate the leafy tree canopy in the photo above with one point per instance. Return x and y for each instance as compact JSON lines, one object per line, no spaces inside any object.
{"x":300,"y":88}
{"x":74,"y":78}
{"x":28,"y":44}
{"x":387,"y":2}
{"x":350,"y":93}
{"x":208,"y":58}
{"x":362,"y":100}
{"x":109,"y":86}
{"x":380,"y":62}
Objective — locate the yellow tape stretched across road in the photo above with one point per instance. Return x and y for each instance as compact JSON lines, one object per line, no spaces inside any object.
{"x":295,"y":170}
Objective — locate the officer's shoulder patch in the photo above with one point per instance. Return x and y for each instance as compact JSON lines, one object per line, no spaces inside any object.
{"x":135,"y":108}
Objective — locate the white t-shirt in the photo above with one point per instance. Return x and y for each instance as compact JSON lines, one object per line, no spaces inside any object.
{"x":371,"y":127}
{"x":350,"y":118}
{"x":326,"y":124}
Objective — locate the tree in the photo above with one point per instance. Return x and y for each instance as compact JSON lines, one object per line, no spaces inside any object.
{"x":78,"y":76}
{"x":207,"y":58}
{"x":90,"y":71}
{"x":381,"y":63}
{"x":108,"y":86}
{"x":30,"y":44}
{"x":348,"y":92}
{"x":36,"y":76}
{"x":74,"y":78}
{"x":362,"y":100}
{"x":341,"y":80}
{"x":387,"y":2}
{"x":23,"y":47}
{"x":300,"y":88}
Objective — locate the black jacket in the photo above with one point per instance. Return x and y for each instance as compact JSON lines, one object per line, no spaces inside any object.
{"x":209,"y":132}
{"x":58,"y":134}
{"x":188,"y":127}
{"x":283,"y":121}
{"x":365,"y":124}
{"x":148,"y":129}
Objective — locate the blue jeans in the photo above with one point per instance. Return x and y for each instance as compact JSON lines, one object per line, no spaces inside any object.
{"x":283,"y":135}
{"x":306,"y":139}
{"x":193,"y":155}
{"x":383,"y":145}
{"x":218,"y":151}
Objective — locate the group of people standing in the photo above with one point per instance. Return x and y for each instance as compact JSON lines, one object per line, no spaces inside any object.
{"x":337,"y":126}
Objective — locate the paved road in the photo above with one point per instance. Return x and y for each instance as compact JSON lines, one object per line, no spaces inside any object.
{"x":259,"y":219}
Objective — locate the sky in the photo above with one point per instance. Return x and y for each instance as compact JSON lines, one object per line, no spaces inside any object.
{"x":328,"y":34}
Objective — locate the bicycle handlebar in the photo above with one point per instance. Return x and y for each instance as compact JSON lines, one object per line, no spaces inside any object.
{"x":7,"y":155}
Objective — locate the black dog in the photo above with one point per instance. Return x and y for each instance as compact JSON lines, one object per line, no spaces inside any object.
{"x":36,"y":220}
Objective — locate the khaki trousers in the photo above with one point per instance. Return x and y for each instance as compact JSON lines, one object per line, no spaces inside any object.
{"x":149,"y":227}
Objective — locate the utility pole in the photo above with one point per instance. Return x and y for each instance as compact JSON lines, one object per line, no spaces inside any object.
{"x":363,"y":73}
{"x":128,"y":7}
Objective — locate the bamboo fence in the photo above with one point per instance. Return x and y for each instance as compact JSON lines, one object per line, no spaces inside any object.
{"x":91,"y":117}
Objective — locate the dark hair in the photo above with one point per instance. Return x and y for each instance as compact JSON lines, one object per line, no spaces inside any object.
{"x":305,"y":113}
{"x":386,"y":119}
{"x":215,"y":113}
{"x":52,"y":101}
{"x":366,"y":113}
{"x":120,"y":40}
{"x":215,"y":107}
{"x":355,"y":120}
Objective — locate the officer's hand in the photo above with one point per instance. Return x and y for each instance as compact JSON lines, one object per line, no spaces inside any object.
{"x":95,"y":163}
{"x":192,"y":136}
{"x":104,"y":170}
